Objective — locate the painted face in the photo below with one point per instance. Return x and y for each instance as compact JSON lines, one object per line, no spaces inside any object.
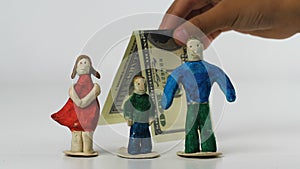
{"x":140,"y":86}
{"x":83,"y":67}
{"x":194,"y":50}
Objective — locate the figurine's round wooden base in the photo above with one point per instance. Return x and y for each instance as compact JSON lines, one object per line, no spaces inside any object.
{"x":199,"y":154}
{"x":80,"y":154}
{"x":122,"y":152}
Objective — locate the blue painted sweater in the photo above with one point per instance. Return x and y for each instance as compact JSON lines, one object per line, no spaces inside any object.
{"x":197,"y":78}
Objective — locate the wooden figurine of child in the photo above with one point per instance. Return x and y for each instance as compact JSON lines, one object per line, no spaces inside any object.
{"x":197,"y":77}
{"x":139,"y":113}
{"x":81,"y":112}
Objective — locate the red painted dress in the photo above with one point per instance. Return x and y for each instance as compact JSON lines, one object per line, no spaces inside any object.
{"x":76,"y":118}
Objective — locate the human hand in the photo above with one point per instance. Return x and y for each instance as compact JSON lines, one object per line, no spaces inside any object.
{"x":264,"y":18}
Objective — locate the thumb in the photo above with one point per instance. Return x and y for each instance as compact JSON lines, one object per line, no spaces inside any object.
{"x":203,"y":24}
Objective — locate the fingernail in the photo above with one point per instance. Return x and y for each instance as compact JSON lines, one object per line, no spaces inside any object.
{"x":181,"y":35}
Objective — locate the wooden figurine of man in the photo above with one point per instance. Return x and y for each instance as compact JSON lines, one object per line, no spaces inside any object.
{"x":197,"y":77}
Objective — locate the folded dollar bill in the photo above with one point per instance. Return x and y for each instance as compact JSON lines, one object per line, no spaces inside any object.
{"x":154,"y":55}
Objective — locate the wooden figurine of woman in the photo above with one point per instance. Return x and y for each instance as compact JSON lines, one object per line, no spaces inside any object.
{"x":81,"y":112}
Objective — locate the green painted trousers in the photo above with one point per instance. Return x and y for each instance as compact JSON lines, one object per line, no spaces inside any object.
{"x":198,"y":119}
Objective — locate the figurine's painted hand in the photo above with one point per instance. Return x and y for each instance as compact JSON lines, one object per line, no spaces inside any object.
{"x":73,"y":95}
{"x":129,"y":122}
{"x":230,"y":94}
{"x":97,"y":89}
{"x":88,"y":99}
{"x":150,"y":122}
{"x":231,"y":98}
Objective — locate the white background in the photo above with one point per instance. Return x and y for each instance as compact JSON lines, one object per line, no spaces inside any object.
{"x":40,"y":41}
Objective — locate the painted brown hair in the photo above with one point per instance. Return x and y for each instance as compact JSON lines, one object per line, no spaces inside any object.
{"x":131,"y":86}
{"x":92,"y":70}
{"x":137,"y":77}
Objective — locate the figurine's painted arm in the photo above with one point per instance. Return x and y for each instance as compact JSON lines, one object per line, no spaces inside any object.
{"x":151,"y":112}
{"x":169,"y":92}
{"x":88,"y":99}
{"x":73,"y":95}
{"x":128,"y":109}
{"x":225,"y":84}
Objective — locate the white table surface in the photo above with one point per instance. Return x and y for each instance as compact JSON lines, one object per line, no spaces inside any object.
{"x":260,"y":130}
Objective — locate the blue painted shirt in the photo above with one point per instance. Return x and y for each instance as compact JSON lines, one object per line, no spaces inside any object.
{"x":197,"y":78}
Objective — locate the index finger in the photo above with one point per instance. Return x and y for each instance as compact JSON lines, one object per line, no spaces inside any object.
{"x":180,"y":9}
